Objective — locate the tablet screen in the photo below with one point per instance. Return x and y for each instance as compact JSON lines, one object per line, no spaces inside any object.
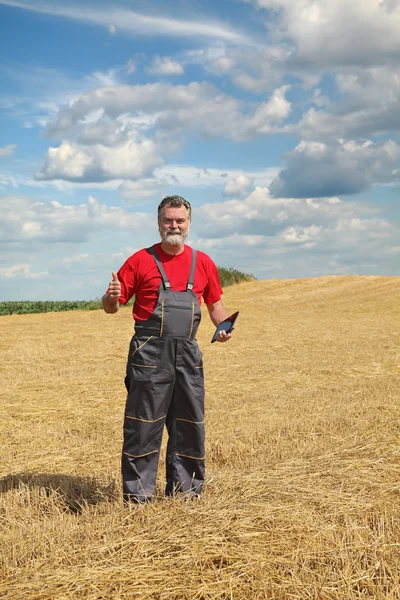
{"x":225,"y":325}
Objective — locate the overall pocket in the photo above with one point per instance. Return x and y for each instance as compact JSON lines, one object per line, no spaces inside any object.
{"x":144,"y":357}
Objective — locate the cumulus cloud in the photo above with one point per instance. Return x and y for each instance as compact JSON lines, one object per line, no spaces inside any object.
{"x":302,"y":235}
{"x":103,"y":131}
{"x":261,"y":69}
{"x":73,"y":162}
{"x":194,"y":108}
{"x":317,"y":169}
{"x":262,"y":214}
{"x":269,"y":114}
{"x":112,"y":29}
{"x":7,"y":150}
{"x":26,"y":220}
{"x":281,"y":237}
{"x":362,"y":111}
{"x":310,"y":38}
{"x":222,"y":64}
{"x":169,"y":176}
{"x":368,"y":31}
{"x":239,"y":186}
{"x":105,"y":123}
{"x":163,"y":65}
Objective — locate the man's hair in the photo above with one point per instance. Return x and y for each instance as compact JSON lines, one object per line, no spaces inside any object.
{"x":175,"y":202}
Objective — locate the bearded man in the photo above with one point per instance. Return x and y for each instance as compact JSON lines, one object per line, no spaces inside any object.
{"x":164,"y":375}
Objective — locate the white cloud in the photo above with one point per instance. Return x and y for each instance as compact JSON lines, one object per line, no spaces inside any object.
{"x":102,"y":131}
{"x":310,"y":38}
{"x":301,"y":235}
{"x":269,"y":114}
{"x":21,"y":270}
{"x":135,"y":23}
{"x":112,"y":29}
{"x":197,"y":108}
{"x":262,"y":214}
{"x":128,"y":160}
{"x":280,"y":237}
{"x":239,"y":186}
{"x":317,"y":169}
{"x":340,"y":33}
{"x":163,"y":65}
{"x":222,"y":65}
{"x":167,"y":176}
{"x":363,"y":110}
{"x":26,"y":220}
{"x":199,"y":177}
{"x":261,"y":69}
{"x":7,"y":150}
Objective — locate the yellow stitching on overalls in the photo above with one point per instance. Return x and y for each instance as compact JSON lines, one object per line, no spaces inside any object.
{"x":193,"y":457}
{"x":200,"y":367}
{"x":140,"y":455}
{"x":144,"y":366}
{"x":145,"y":420}
{"x":162,"y":317}
{"x":187,"y":421}
{"x":191,"y":326}
{"x":144,"y":343}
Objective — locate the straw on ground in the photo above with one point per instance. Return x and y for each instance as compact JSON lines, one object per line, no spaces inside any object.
{"x":303,"y":455}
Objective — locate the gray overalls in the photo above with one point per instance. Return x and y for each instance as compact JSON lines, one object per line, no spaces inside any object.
{"x":165,"y":384}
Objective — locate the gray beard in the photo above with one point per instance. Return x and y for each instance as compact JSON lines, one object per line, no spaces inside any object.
{"x":175,"y":239}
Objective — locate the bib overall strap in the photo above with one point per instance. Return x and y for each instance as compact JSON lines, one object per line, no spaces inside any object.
{"x":192,"y":269}
{"x":167,"y":285}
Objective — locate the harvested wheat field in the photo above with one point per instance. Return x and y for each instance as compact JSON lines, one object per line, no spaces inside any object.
{"x":303,"y":454}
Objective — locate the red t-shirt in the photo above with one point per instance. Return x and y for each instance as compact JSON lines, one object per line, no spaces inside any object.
{"x":140,"y":276}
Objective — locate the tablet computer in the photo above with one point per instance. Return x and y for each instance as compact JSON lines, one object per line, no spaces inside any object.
{"x":225,"y":325}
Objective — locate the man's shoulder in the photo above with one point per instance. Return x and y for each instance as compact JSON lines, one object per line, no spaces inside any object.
{"x":139,"y":254}
{"x":138,"y":260}
{"x":203,"y":258}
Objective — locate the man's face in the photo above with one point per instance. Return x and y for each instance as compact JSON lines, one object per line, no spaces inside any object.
{"x":174,"y":225}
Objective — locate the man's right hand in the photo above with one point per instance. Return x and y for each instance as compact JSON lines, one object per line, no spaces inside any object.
{"x":110,"y":300}
{"x":114,"y":288}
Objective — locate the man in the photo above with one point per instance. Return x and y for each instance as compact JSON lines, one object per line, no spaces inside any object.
{"x":164,"y":375}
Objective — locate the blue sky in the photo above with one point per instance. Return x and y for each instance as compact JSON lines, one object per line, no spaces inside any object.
{"x":277,"y":119}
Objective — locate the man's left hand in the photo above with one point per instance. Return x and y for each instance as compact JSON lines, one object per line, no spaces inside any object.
{"x":222,"y":336}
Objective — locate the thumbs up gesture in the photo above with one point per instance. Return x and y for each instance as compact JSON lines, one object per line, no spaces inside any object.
{"x":114,"y":288}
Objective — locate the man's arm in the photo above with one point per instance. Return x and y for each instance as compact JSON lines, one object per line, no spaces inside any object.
{"x":110,"y":301}
{"x":218,"y":314}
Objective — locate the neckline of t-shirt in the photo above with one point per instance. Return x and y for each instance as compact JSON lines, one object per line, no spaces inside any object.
{"x":166,"y":257}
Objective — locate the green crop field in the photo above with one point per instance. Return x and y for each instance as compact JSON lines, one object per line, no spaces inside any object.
{"x":227,"y":277}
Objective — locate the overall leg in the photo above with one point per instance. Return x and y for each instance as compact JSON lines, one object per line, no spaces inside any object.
{"x":150,"y":383}
{"x":185,"y":423}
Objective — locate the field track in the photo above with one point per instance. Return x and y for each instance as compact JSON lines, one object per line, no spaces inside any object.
{"x":303,"y":455}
